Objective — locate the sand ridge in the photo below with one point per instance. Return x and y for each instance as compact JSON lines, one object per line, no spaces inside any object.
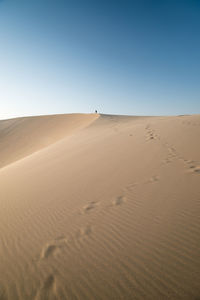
{"x":108,"y":209}
{"x":21,"y":137}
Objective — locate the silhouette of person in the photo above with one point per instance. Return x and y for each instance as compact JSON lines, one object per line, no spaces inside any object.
{"x":95,"y":111}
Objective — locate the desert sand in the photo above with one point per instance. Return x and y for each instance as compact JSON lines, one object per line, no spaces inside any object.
{"x":100,"y":207}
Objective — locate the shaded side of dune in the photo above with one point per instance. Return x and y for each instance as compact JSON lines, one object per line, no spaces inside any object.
{"x":21,"y":137}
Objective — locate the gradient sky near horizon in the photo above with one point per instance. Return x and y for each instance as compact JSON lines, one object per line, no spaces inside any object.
{"x":120,"y":57}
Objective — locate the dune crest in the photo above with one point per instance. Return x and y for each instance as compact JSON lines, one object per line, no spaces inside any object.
{"x":21,"y":137}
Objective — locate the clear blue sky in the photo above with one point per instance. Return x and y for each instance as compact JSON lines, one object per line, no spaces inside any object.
{"x":124,"y":57}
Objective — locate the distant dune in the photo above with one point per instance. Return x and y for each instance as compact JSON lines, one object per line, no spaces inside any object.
{"x":100,"y":207}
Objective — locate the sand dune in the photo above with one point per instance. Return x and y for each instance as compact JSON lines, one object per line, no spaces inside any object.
{"x":100,"y":207}
{"x":21,"y":137}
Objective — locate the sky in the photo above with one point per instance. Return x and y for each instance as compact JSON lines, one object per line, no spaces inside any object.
{"x":120,"y":57}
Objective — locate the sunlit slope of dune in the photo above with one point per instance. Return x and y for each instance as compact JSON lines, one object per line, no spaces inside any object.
{"x":23,"y":136}
{"x":109,"y":212}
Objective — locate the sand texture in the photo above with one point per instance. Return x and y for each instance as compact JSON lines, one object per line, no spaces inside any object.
{"x":100,"y":207}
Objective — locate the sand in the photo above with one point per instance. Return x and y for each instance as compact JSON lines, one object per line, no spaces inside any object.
{"x":100,"y":207}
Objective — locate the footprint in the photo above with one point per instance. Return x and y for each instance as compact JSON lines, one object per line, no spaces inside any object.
{"x":172,"y":150}
{"x":194,"y":169}
{"x":49,"y":250}
{"x":189,"y":162}
{"x":2,"y":293}
{"x":84,"y":231}
{"x":153,"y":179}
{"x":171,"y":156}
{"x":197,"y":170}
{"x":150,"y":135}
{"x":119,"y":200}
{"x":49,"y":282}
{"x":90,"y":206}
{"x":53,"y":248}
{"x":48,"y":288}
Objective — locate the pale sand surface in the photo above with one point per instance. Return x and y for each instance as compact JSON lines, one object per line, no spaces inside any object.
{"x":100,"y":207}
